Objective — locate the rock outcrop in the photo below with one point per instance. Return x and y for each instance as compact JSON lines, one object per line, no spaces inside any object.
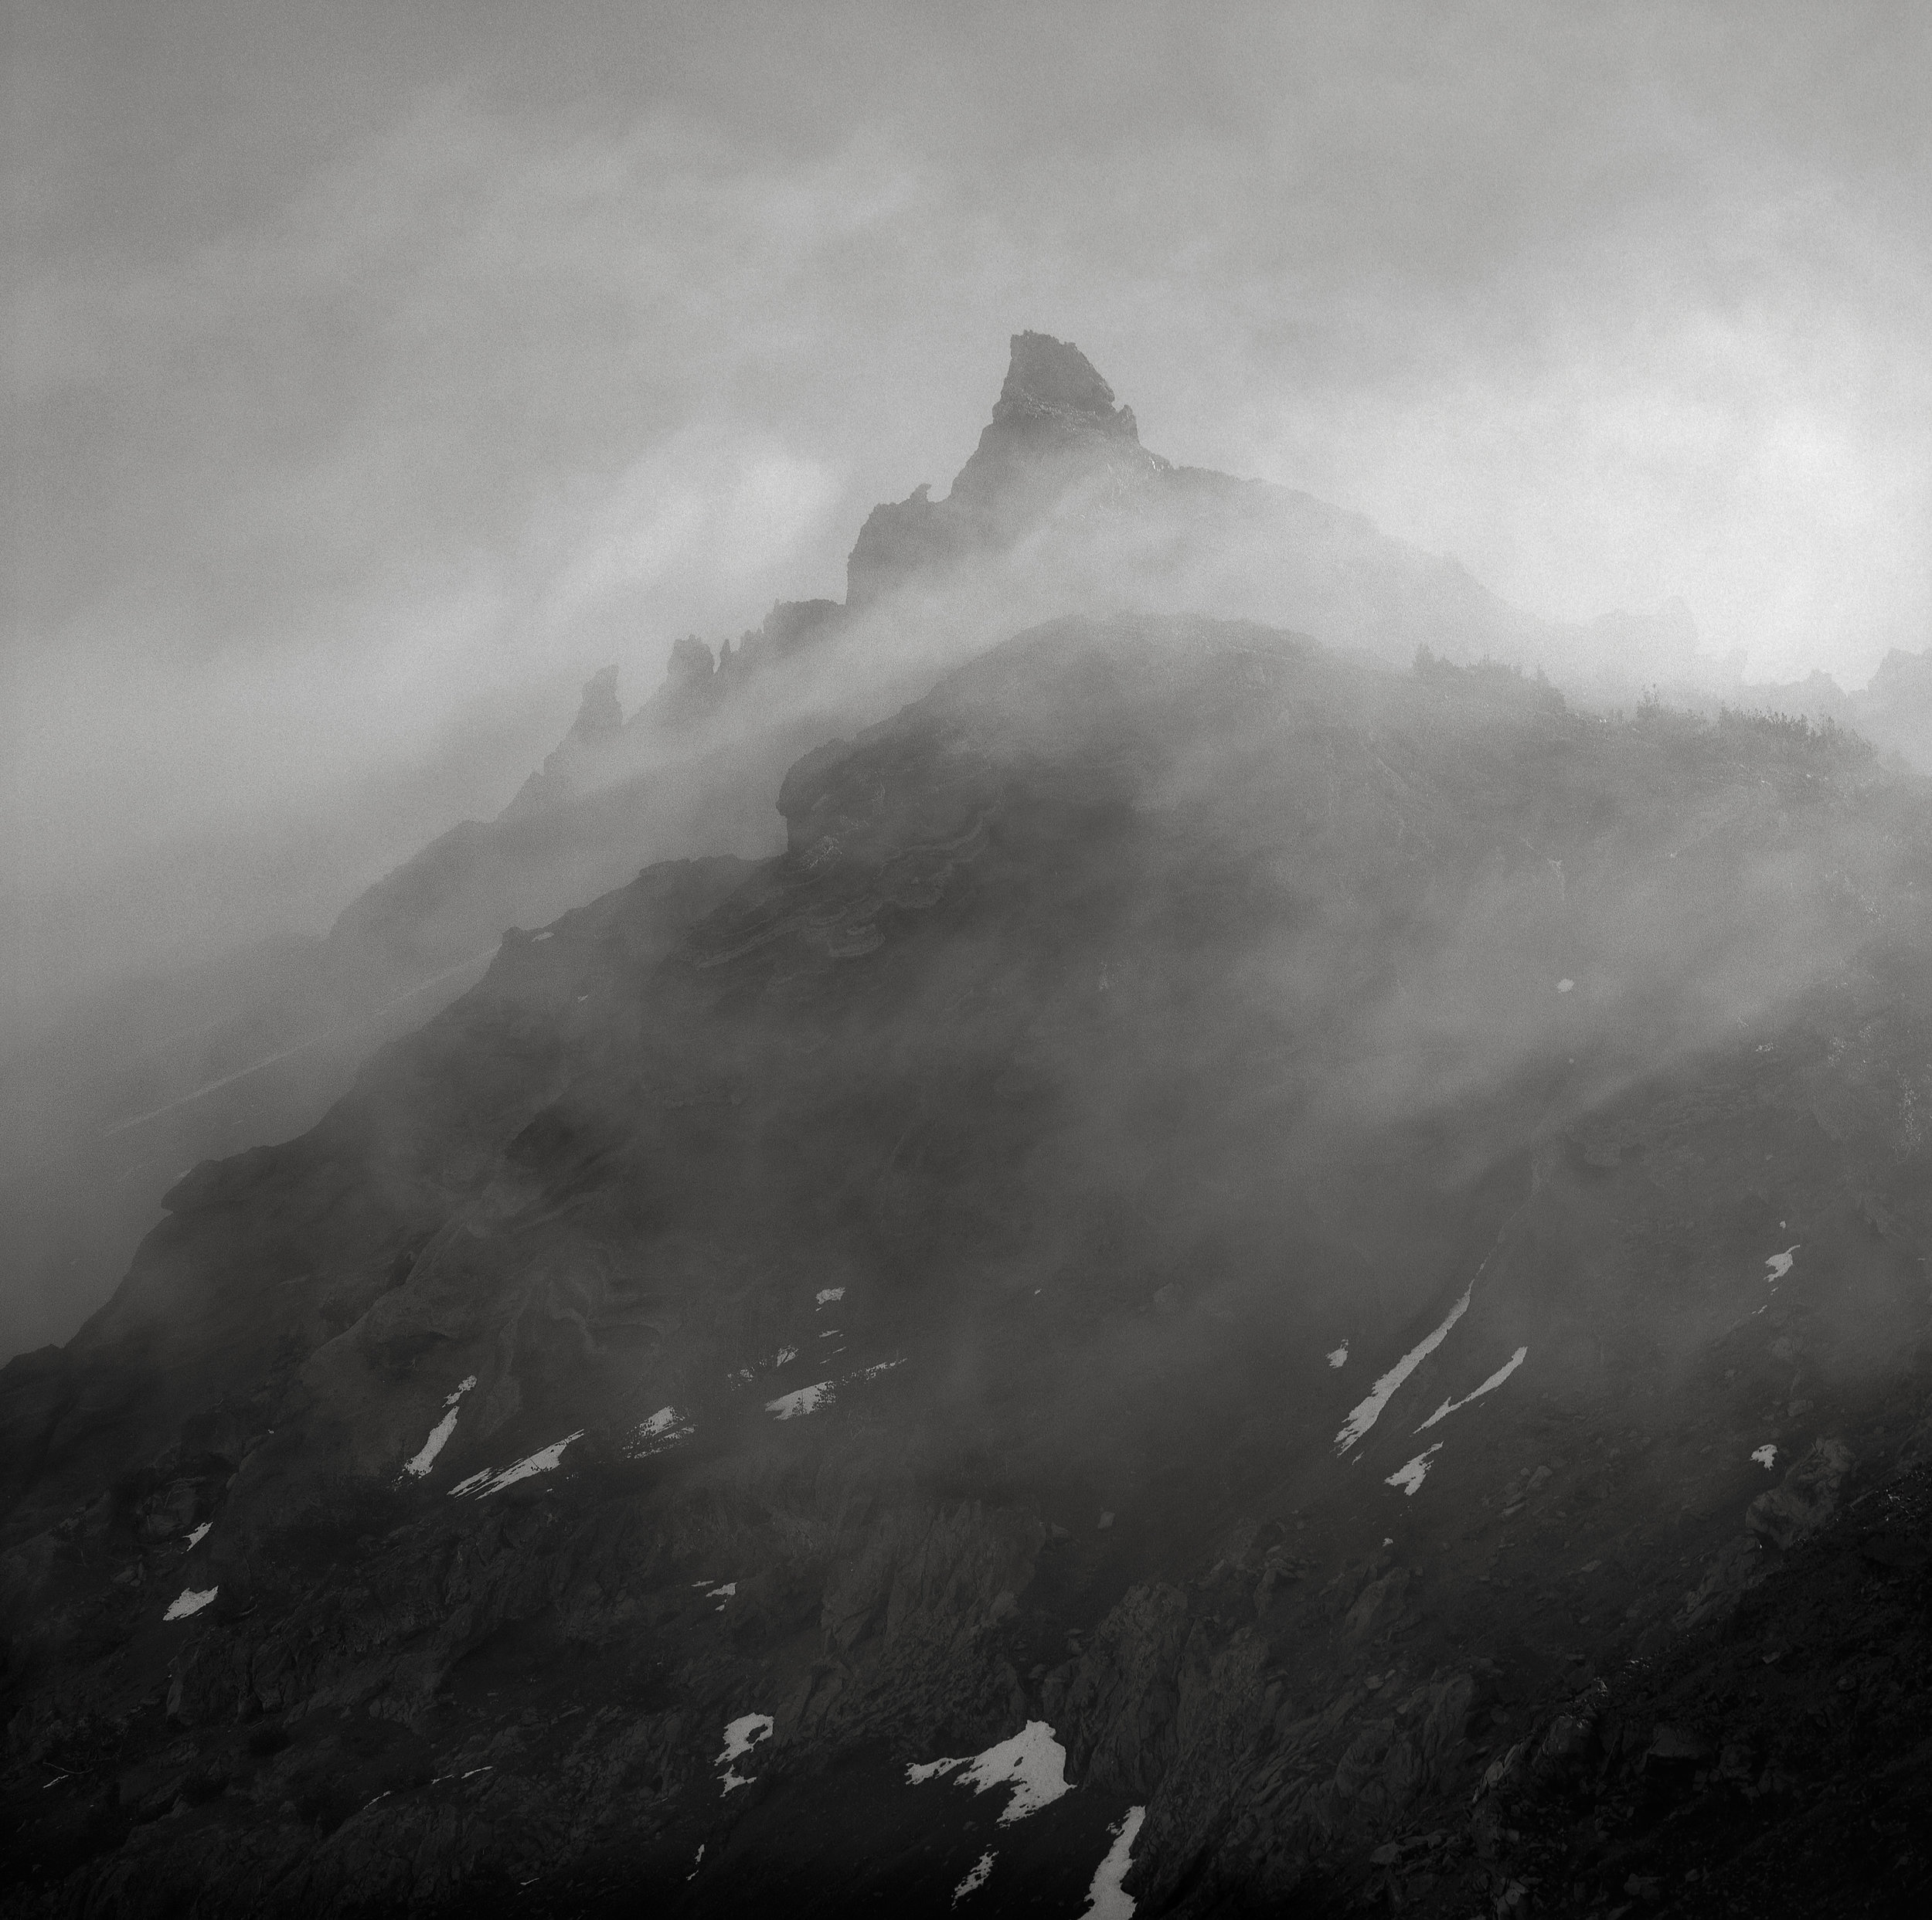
{"x":578,"y":762}
{"x":1056,"y":445}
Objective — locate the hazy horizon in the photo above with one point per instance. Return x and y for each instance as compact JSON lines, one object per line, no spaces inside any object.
{"x":378,"y":376}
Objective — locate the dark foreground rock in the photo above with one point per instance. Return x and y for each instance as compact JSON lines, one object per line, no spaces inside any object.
{"x":1325,"y":1269}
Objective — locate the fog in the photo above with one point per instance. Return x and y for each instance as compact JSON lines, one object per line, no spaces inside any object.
{"x":377,"y":377}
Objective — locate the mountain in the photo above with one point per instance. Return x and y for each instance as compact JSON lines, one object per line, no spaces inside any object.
{"x":1241,"y":1281}
{"x":99,"y":1118}
{"x":1059,"y":510}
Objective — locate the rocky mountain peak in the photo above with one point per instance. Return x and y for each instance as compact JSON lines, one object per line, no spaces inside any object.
{"x":598,"y":714}
{"x":691,"y":664}
{"x":1053,"y":377}
{"x":599,"y":723}
{"x":1056,"y":435}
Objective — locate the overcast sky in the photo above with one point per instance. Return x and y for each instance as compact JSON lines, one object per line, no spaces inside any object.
{"x":380,"y":371}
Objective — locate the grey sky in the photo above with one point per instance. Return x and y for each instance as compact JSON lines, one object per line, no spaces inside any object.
{"x":379,"y":370}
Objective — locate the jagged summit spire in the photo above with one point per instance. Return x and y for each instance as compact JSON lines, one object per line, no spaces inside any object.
{"x":599,"y":715}
{"x":1050,"y":376}
{"x":1056,"y":373}
{"x":1055,"y":434}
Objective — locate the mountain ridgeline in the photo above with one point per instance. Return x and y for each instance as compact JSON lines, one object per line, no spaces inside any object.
{"x":1235,"y":1279}
{"x":1058,"y":512}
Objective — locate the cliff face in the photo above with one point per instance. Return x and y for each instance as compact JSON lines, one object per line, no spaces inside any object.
{"x":1218,"y":1239}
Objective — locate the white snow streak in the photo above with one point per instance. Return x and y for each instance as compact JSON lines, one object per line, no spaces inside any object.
{"x":664,"y":1428}
{"x":439,"y":1437}
{"x":975,"y":1878}
{"x":543,"y":1461}
{"x":1496,"y":1379}
{"x":1412,"y":1476}
{"x":804,"y":1400}
{"x":1032,"y":1762}
{"x":1106,"y":1899}
{"x":440,"y":1433}
{"x":198,"y":1535}
{"x":1780,"y":1264}
{"x":1365,"y":1415}
{"x":190,"y":1602}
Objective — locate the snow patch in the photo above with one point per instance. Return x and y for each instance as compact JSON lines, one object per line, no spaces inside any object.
{"x":1365,"y":1415}
{"x":1765,"y":1456}
{"x":828,"y":1294}
{"x":1780,"y":1264}
{"x":977,"y":1877}
{"x":785,"y":1354}
{"x":1495,"y":1380}
{"x":439,"y":1437}
{"x":666,"y":1428}
{"x":740,"y":1737}
{"x":544,"y":1460}
{"x":1033,"y":1763}
{"x":793,"y":1405}
{"x":1411,"y":1476}
{"x":1106,"y":1899}
{"x":440,"y":1433}
{"x":1564,"y":986}
{"x":190,"y":1602}
{"x":1340,"y":1356}
{"x":723,"y":1594}
{"x":198,"y":1535}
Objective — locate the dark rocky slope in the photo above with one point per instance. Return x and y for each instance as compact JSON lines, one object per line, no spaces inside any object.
{"x":910,"y":1272}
